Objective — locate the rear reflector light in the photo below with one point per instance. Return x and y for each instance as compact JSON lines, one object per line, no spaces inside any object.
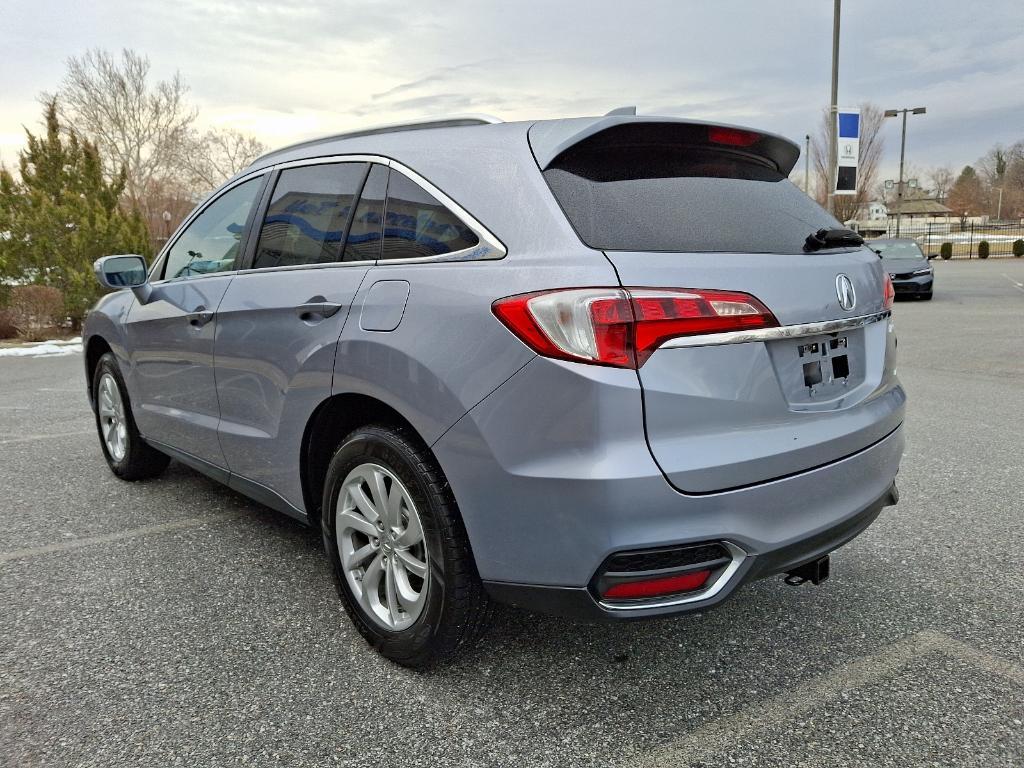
{"x":666,"y":585}
{"x":733,"y":137}
{"x":623,"y":327}
{"x":890,"y":293}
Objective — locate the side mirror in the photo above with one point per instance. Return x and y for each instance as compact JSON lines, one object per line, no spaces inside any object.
{"x":124,"y":271}
{"x":932,"y":256}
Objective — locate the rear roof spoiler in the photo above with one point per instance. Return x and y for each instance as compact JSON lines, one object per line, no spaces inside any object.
{"x":550,"y":138}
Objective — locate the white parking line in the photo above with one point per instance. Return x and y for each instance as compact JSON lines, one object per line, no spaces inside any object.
{"x":107,"y":538}
{"x":715,"y":738}
{"x":1014,"y":283}
{"x":31,"y":438}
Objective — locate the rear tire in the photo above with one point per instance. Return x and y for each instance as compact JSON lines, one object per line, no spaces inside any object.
{"x":127,"y":454}
{"x":412,"y":591}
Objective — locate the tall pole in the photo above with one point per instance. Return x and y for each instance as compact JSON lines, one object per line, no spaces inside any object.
{"x":999,"y":209}
{"x":807,"y":164}
{"x":899,"y":189}
{"x":833,"y":149}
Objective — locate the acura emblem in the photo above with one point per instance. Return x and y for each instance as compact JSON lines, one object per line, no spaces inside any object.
{"x":844,"y":290}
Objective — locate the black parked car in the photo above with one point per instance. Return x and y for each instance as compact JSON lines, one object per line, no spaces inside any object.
{"x":906,"y":264}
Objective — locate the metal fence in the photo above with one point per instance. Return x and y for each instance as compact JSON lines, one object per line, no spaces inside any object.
{"x":965,"y":239}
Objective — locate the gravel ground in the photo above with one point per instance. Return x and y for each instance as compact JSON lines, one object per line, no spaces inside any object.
{"x":173,"y":622}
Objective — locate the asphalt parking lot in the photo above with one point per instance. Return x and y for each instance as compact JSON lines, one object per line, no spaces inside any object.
{"x":173,"y":622}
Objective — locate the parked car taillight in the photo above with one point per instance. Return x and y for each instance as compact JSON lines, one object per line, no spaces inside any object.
{"x":890,"y":293}
{"x":623,"y":327}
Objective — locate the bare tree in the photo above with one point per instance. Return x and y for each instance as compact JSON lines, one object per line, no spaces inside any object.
{"x":872,"y":144}
{"x":210,"y":158}
{"x":941,"y":180}
{"x":137,"y":124}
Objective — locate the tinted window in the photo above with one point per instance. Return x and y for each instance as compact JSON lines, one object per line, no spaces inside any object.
{"x":210,"y":243}
{"x":682,"y":198}
{"x":416,"y":224}
{"x":306,"y":219}
{"x":364,"y":234}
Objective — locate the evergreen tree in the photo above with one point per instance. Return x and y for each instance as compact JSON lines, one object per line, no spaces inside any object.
{"x":61,"y":215}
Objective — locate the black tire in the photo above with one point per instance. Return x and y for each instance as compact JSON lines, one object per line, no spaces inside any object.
{"x":140,"y":461}
{"x":926,"y":296}
{"x":456,"y":610}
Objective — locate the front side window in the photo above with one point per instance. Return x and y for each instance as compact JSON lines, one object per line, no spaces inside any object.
{"x":306,"y":219}
{"x":416,"y":224}
{"x":211,"y":241}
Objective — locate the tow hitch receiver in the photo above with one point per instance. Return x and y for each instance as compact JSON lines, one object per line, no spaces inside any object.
{"x":815,"y":572}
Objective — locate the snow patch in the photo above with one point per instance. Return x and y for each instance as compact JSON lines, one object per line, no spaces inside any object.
{"x":54,"y":348}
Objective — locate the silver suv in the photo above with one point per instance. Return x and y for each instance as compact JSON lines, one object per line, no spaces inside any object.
{"x":608,"y":367}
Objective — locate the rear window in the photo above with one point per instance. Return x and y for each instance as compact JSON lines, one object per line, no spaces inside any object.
{"x":681,"y":198}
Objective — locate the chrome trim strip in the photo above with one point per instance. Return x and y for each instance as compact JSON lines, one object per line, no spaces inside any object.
{"x":777,"y":333}
{"x":738,"y":556}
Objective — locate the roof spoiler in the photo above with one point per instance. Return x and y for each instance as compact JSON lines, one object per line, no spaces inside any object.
{"x":550,"y":139}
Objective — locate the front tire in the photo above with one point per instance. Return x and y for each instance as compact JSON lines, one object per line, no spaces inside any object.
{"x":127,"y":454}
{"x":926,"y":296}
{"x":399,"y":551}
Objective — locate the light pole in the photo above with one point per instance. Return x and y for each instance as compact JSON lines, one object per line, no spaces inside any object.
{"x":903,"y":147}
{"x":807,"y":165}
{"x":833,"y":110}
{"x":999,"y":209}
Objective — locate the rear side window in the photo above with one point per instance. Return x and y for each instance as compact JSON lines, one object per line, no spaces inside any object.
{"x":417,"y":224}
{"x":681,"y":198}
{"x":306,"y":219}
{"x":364,"y":234}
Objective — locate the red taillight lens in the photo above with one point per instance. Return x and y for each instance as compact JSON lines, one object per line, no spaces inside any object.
{"x":733,"y":137}
{"x":666,"y":585}
{"x":890,"y":293}
{"x":623,"y":327}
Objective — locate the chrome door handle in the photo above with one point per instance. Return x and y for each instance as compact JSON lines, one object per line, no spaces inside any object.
{"x":199,"y":317}
{"x":317,"y":307}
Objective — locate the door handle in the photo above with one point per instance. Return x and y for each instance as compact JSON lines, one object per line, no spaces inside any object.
{"x":317,"y":307}
{"x":199,"y":317}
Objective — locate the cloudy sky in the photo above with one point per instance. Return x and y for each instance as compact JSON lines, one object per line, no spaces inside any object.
{"x":292,"y":69}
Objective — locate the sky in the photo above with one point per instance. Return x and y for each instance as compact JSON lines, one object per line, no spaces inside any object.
{"x":294,"y":69}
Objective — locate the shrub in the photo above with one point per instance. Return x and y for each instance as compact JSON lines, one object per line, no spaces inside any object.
{"x":7,"y":329}
{"x":946,"y":251}
{"x":34,"y":310}
{"x":983,"y":248}
{"x":1018,"y":248}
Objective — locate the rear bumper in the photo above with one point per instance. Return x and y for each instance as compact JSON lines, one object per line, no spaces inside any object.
{"x":553,"y":475}
{"x":582,"y":603}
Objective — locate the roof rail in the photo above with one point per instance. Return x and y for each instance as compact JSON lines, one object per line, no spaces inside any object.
{"x":455,"y":121}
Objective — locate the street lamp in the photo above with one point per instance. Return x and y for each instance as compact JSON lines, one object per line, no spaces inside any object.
{"x":903,"y":147}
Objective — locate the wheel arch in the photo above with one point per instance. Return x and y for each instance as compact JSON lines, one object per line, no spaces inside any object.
{"x":334,"y":419}
{"x":95,"y":348}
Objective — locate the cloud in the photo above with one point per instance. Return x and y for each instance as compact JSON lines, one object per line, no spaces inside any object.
{"x":290,"y":69}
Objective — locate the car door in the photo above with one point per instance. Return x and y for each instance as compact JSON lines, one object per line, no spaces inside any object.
{"x":280,"y":320}
{"x":170,"y":336}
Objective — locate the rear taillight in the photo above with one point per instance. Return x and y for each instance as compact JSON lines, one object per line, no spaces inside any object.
{"x":890,"y":293}
{"x":623,"y":327}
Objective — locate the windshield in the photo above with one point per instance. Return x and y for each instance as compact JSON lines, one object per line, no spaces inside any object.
{"x":897,"y":249}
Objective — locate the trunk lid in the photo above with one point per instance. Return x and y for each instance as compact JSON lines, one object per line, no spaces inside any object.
{"x":676,"y":204}
{"x":730,"y":415}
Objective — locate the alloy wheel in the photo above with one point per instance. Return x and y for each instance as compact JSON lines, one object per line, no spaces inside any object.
{"x":381,"y":546}
{"x":113,"y":427}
